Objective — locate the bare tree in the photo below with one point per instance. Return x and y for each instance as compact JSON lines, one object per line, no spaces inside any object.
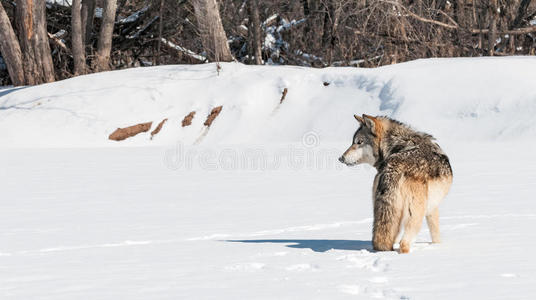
{"x":104,"y":46}
{"x":160,"y":29}
{"x":9,"y":46}
{"x":314,"y":12}
{"x":254,"y":31}
{"x":33,"y":38}
{"x":77,"y":43}
{"x":494,"y":16}
{"x":318,"y":33}
{"x":87,"y":16}
{"x":211,"y":30}
{"x":331,"y":24}
{"x":521,"y":13}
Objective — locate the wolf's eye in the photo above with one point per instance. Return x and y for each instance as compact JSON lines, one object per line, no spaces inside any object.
{"x":359,"y":142}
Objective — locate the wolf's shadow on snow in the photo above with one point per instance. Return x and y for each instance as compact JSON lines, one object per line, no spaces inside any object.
{"x":316,"y":245}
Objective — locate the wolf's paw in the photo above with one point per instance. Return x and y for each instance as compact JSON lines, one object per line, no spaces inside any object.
{"x":404,"y":247}
{"x":382,"y":246}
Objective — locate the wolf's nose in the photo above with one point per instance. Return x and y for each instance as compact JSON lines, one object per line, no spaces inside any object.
{"x":341,"y":159}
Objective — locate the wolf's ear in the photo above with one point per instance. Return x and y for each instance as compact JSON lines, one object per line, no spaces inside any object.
{"x":370,"y":122}
{"x":359,"y":119}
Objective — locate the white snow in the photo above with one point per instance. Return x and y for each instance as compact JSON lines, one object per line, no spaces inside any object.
{"x":184,"y":50}
{"x":58,"y":35}
{"x":60,"y":2}
{"x":134,"y":16}
{"x":260,"y":208}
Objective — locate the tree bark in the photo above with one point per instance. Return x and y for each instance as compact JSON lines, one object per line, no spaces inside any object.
{"x":33,"y":39}
{"x":104,"y":46}
{"x":211,"y":30}
{"x":492,"y":35}
{"x":160,"y":29}
{"x":77,"y":39}
{"x":331,"y":23}
{"x":87,"y":16}
{"x":254,"y":32}
{"x":314,"y":26}
{"x":10,"y":49}
{"x":521,"y":13}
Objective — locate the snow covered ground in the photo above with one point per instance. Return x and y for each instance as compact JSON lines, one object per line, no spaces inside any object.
{"x":260,"y":208}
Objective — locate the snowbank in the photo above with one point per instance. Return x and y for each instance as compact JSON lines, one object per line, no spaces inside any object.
{"x":468,"y":99}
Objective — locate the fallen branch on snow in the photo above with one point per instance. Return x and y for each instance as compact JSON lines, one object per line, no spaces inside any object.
{"x":187,"y":121}
{"x":123,"y":133}
{"x":285,"y":91}
{"x":212,"y":116}
{"x":188,"y":52}
{"x":158,"y":128}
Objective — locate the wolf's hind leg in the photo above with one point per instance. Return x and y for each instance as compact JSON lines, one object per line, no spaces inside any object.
{"x":432,"y":219}
{"x":415,"y":194}
{"x":412,"y":228}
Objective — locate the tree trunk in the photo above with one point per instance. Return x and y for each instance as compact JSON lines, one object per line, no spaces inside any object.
{"x":87,"y":16}
{"x":10,"y":48}
{"x":492,"y":35}
{"x":33,"y":39}
{"x":211,"y":29}
{"x":77,"y":39}
{"x":314,"y":26}
{"x":104,"y":46}
{"x":160,"y":29}
{"x":521,"y":13}
{"x":331,"y":23}
{"x":254,"y":32}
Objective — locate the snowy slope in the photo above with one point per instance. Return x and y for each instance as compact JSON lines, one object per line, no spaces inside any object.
{"x":260,"y":208}
{"x":495,"y":97}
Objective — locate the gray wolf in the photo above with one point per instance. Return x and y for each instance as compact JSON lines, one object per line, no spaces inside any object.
{"x":414,"y":175}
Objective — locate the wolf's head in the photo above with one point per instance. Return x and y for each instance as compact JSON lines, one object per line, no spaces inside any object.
{"x":365,"y":144}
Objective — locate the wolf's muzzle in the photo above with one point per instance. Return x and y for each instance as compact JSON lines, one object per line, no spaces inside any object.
{"x":341,"y":159}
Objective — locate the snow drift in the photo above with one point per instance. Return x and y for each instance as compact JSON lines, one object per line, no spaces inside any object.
{"x":464,"y":98}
